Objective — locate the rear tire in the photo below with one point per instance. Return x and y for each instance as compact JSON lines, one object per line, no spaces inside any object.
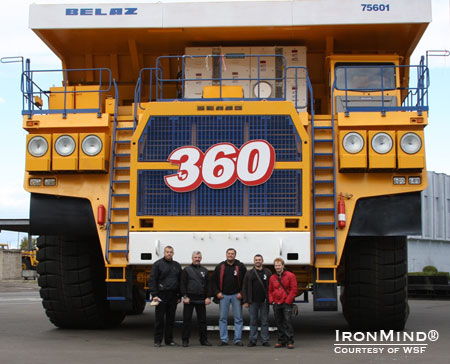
{"x":375,"y":295}
{"x":72,"y":282}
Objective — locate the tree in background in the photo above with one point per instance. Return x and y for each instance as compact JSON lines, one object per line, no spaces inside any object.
{"x":24,"y":243}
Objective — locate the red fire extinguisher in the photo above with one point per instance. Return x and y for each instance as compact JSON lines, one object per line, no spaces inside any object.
{"x":101,"y":214}
{"x":341,"y":211}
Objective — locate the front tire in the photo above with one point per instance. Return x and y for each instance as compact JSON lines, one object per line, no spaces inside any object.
{"x":375,"y":295}
{"x":72,"y":281}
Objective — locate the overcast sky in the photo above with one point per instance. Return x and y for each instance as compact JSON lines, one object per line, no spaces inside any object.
{"x":18,"y":40}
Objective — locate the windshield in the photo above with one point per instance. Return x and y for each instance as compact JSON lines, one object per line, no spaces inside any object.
{"x":365,"y":77}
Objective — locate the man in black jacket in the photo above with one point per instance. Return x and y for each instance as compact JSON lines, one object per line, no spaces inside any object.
{"x":165,"y":290}
{"x":255,"y":295}
{"x":194,"y":287}
{"x":227,"y":285}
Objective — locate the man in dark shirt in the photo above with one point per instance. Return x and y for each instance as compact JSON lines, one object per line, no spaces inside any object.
{"x":165,"y":290}
{"x":194,"y":287}
{"x":255,"y":296}
{"x":227,"y":284}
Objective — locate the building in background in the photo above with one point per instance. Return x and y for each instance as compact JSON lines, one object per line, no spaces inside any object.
{"x":433,"y":246}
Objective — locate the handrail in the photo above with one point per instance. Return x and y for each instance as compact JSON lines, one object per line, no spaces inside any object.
{"x":156,"y":77}
{"x":111,"y":170}
{"x":30,"y":89}
{"x":138,"y":90}
{"x":416,"y":98}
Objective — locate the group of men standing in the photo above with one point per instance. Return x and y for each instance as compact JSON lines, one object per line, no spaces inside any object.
{"x":230,"y":285}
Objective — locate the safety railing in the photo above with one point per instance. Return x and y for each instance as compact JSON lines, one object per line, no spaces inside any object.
{"x":259,"y":83}
{"x":140,"y":84}
{"x":372,"y":88}
{"x":36,"y":99}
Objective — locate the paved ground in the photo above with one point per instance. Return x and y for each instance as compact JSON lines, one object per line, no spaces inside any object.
{"x":26,"y":336}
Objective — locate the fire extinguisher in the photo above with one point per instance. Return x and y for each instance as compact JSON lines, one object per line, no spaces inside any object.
{"x":341,"y":211}
{"x":101,"y":213}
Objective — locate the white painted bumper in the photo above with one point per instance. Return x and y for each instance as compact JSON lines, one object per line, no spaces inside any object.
{"x":293,"y":247}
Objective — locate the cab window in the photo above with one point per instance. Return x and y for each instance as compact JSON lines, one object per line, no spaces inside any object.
{"x":365,"y":76}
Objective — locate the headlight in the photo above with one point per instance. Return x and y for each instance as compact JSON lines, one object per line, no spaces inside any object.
{"x":353,"y":143}
{"x":37,"y":146}
{"x":382,"y":143}
{"x":91,"y":145}
{"x":410,"y":143}
{"x":262,"y":90}
{"x":65,"y":145}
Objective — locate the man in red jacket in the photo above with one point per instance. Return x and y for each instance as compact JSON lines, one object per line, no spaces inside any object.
{"x":282,"y":292}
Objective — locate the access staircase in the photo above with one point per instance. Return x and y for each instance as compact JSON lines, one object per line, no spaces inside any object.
{"x":117,"y":244}
{"x":324,"y":214}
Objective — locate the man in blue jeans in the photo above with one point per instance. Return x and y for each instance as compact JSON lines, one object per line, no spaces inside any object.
{"x":227,"y":285}
{"x":255,"y":296}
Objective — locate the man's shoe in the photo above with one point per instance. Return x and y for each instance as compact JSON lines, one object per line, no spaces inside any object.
{"x":222,"y":343}
{"x":185,"y":343}
{"x":157,"y":345}
{"x":280,"y":345}
{"x":238,"y":343}
{"x":251,"y":344}
{"x":206,"y":343}
{"x":290,"y":346}
{"x":265,"y":343}
{"x":173,"y":343}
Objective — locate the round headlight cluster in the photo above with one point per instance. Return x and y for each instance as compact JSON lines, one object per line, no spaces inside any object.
{"x":382,"y":143}
{"x":410,"y":143}
{"x":65,"y":145}
{"x":262,"y":90}
{"x":353,"y":143}
{"x":37,"y":146}
{"x":91,"y":145}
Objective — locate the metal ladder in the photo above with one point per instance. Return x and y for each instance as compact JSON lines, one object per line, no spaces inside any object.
{"x":117,"y":237}
{"x":324,"y":213}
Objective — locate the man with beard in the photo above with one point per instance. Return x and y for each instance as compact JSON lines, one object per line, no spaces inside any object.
{"x":227,"y":282}
{"x":255,"y":296}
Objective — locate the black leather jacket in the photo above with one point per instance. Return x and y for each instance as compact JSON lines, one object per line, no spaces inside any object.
{"x":165,"y":277}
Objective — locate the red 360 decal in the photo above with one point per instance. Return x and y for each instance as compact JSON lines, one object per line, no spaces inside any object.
{"x":221,"y":165}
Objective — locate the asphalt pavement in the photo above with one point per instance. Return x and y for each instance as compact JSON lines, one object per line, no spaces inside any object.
{"x":26,"y":336}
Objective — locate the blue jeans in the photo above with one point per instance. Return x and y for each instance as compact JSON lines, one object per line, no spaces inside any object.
{"x":224,"y":307}
{"x":261,"y":311}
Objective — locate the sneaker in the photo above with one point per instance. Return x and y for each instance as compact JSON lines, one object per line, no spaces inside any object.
{"x":280,"y":345}
{"x":238,"y":343}
{"x":173,"y":343}
{"x":265,"y":343}
{"x":157,"y":345}
{"x":206,"y":343}
{"x":290,"y":346}
{"x":251,"y":344}
{"x":185,"y":343}
{"x":222,"y":343}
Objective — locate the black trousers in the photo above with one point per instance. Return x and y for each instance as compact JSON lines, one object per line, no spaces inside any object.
{"x":165,"y":317}
{"x":283,"y":318}
{"x":200,"y":309}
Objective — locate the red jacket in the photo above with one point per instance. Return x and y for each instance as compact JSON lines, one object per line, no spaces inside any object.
{"x":276,"y":292}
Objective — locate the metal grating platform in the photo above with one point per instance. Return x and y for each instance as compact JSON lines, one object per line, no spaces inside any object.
{"x":163,"y":134}
{"x":280,"y":196}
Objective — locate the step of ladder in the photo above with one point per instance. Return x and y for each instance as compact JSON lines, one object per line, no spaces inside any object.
{"x":324,"y":192}
{"x":119,"y":196}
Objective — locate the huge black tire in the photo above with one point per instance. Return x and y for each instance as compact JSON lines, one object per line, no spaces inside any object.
{"x":72,"y":282}
{"x":375,"y":295}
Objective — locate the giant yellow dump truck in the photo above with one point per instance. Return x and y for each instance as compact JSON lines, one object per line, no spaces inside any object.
{"x":281,"y":128}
